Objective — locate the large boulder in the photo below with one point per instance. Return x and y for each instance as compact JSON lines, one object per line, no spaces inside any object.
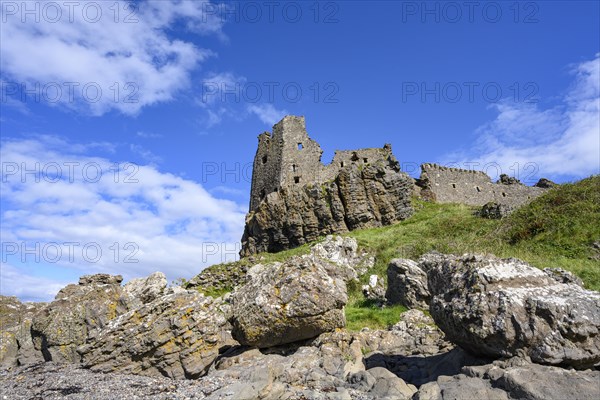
{"x":505,"y":307}
{"x":287,"y":302}
{"x":178,"y":335}
{"x":76,"y":315}
{"x":407,"y":284}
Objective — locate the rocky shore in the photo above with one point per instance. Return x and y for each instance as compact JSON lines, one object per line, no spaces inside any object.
{"x":479,"y":327}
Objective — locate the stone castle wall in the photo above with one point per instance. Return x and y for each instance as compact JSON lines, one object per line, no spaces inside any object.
{"x":290,"y":158}
{"x":453,"y":185}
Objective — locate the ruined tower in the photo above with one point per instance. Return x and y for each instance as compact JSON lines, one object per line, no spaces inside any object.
{"x":284,"y":158}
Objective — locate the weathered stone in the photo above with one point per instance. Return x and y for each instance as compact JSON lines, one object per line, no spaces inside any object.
{"x":464,"y":387}
{"x":295,"y":198}
{"x":286,"y":302}
{"x":77,"y":314}
{"x":415,"y":333}
{"x":493,"y":210}
{"x":504,"y":307}
{"x":141,"y":291}
{"x":362,"y":380}
{"x":347,"y":261}
{"x":454,"y":185}
{"x":389,"y":386}
{"x":545,"y":183}
{"x":16,"y":346}
{"x":508,"y":180}
{"x":407,"y":284}
{"x":521,"y":379}
{"x":562,"y":276}
{"x":177,"y":335}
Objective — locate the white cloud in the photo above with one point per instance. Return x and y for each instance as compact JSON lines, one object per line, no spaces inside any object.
{"x":147,"y":135}
{"x":163,"y":221}
{"x":27,"y":287}
{"x":146,"y":154}
{"x":226,"y":95}
{"x":560,"y":142}
{"x":267,"y":113}
{"x":129,"y":56}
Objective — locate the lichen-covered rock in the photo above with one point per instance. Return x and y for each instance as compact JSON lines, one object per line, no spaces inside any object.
{"x":140,"y":291}
{"x":562,"y":276}
{"x":359,"y":197}
{"x":287,"y":302}
{"x":407,"y":284}
{"x":348,"y":262}
{"x":493,"y":210}
{"x":76,"y":315}
{"x":177,"y":335}
{"x":504,"y":307}
{"x":415,"y":333}
{"x":344,"y":260}
{"x":16,"y":346}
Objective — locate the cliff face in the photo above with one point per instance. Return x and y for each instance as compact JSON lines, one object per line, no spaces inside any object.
{"x":360,"y":196}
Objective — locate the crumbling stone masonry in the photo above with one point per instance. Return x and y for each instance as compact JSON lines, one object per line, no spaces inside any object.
{"x":453,"y":185}
{"x":295,"y":198}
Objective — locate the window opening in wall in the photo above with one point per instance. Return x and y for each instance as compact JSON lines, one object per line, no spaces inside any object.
{"x":296,"y":179}
{"x":264,"y":159}
{"x":342,"y":164}
{"x":300,"y":147}
{"x":293,"y":167}
{"x":354,"y":157}
{"x":477,"y":187}
{"x":503,"y":194}
{"x":454,"y":185}
{"x":365,"y":160}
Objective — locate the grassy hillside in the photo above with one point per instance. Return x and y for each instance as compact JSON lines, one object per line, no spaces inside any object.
{"x":555,"y":230}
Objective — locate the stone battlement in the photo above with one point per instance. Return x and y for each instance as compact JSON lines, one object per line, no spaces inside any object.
{"x":454,"y":185}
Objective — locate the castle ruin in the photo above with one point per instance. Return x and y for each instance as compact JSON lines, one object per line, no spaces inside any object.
{"x":289,"y":158}
{"x":295,"y":198}
{"x":453,"y":185}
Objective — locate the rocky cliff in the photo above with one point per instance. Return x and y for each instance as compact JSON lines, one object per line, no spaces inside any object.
{"x":360,"y":196}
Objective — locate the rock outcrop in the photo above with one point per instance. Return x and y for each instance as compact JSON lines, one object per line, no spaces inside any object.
{"x":16,"y":345}
{"x":493,"y":210}
{"x":178,"y":335}
{"x":504,"y":308}
{"x":359,"y":197}
{"x":287,"y":302}
{"x":295,"y":198}
{"x":77,"y":314}
{"x":407,"y":284}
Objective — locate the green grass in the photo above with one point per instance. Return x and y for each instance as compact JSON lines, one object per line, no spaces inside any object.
{"x":555,"y":230}
{"x":370,"y":316}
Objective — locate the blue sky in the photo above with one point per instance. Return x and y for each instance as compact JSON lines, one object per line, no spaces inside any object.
{"x":138,"y":121}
